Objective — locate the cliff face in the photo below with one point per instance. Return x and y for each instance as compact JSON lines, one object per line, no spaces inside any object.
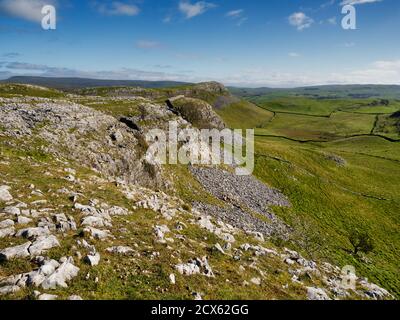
{"x":84,"y":215}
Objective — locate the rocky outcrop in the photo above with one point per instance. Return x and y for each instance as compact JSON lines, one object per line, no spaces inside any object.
{"x":87,"y":133}
{"x":5,"y":195}
{"x":197,"y":112}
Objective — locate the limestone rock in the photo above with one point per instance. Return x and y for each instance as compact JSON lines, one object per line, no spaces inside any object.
{"x":5,"y":195}
{"x":64,"y":224}
{"x":97,"y":233}
{"x":42,"y":244}
{"x":93,"y":259}
{"x":6,"y":223}
{"x":12,"y":211}
{"x":23,"y":220}
{"x":7,"y":232}
{"x":33,"y":233}
{"x":195,"y":266}
{"x":120,"y":250}
{"x":316,"y":294}
{"x":9,"y":290}
{"x":20,"y":251}
{"x":64,"y":273}
{"x":160,"y":232}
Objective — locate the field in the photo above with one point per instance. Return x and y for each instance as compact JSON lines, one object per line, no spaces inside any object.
{"x":294,"y":153}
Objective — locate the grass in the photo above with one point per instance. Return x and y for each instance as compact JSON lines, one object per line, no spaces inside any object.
{"x":305,"y":105}
{"x":340,"y":124}
{"x":254,"y":116}
{"x":9,"y":90}
{"x":387,"y":126}
{"x":328,"y":201}
{"x":142,"y":275}
{"x":334,"y":200}
{"x":302,"y":105}
{"x":116,"y":109}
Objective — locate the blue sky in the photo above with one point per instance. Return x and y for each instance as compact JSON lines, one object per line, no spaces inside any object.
{"x":277,"y":43}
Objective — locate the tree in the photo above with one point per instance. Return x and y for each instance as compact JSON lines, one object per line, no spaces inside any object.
{"x":361,"y":242}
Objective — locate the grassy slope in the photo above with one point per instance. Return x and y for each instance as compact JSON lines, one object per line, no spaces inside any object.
{"x":243,"y":114}
{"x":340,"y":124}
{"x":326,"y":205}
{"x":329,"y":201}
{"x":135,"y":277}
{"x":8,"y":90}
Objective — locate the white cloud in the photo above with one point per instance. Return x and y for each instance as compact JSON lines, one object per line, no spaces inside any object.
{"x":355,"y":2}
{"x":116,"y":8}
{"x":327,"y":4}
{"x":293,"y":55}
{"x":235,"y":13}
{"x":148,"y":44}
{"x":300,"y":20}
{"x":387,"y":64}
{"x":30,"y":10}
{"x":378,"y":72}
{"x":238,"y":16}
{"x":192,"y":10}
{"x":23,"y":68}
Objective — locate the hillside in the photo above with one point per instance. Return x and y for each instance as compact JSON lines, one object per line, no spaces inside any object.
{"x":85,"y":215}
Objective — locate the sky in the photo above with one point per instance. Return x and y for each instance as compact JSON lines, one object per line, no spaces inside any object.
{"x":247,"y":43}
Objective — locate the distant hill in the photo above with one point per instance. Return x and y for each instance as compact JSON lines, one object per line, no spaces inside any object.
{"x":324,"y":92}
{"x":76,"y":83}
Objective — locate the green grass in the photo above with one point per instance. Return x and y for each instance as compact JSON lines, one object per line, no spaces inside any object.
{"x":244,"y":115}
{"x":328,"y":202}
{"x":9,"y":90}
{"x":331,"y":201}
{"x":340,"y":124}
{"x":388,"y":126}
{"x":116,"y":109}
{"x":302,"y":105}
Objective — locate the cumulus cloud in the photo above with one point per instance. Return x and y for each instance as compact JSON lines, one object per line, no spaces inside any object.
{"x":192,"y":10}
{"x":30,"y":10}
{"x":300,"y":20}
{"x":116,"y":8}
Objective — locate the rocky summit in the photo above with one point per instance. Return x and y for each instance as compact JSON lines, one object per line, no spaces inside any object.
{"x":85,"y":215}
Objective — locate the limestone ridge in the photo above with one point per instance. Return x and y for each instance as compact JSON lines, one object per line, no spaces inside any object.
{"x":84,"y":215}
